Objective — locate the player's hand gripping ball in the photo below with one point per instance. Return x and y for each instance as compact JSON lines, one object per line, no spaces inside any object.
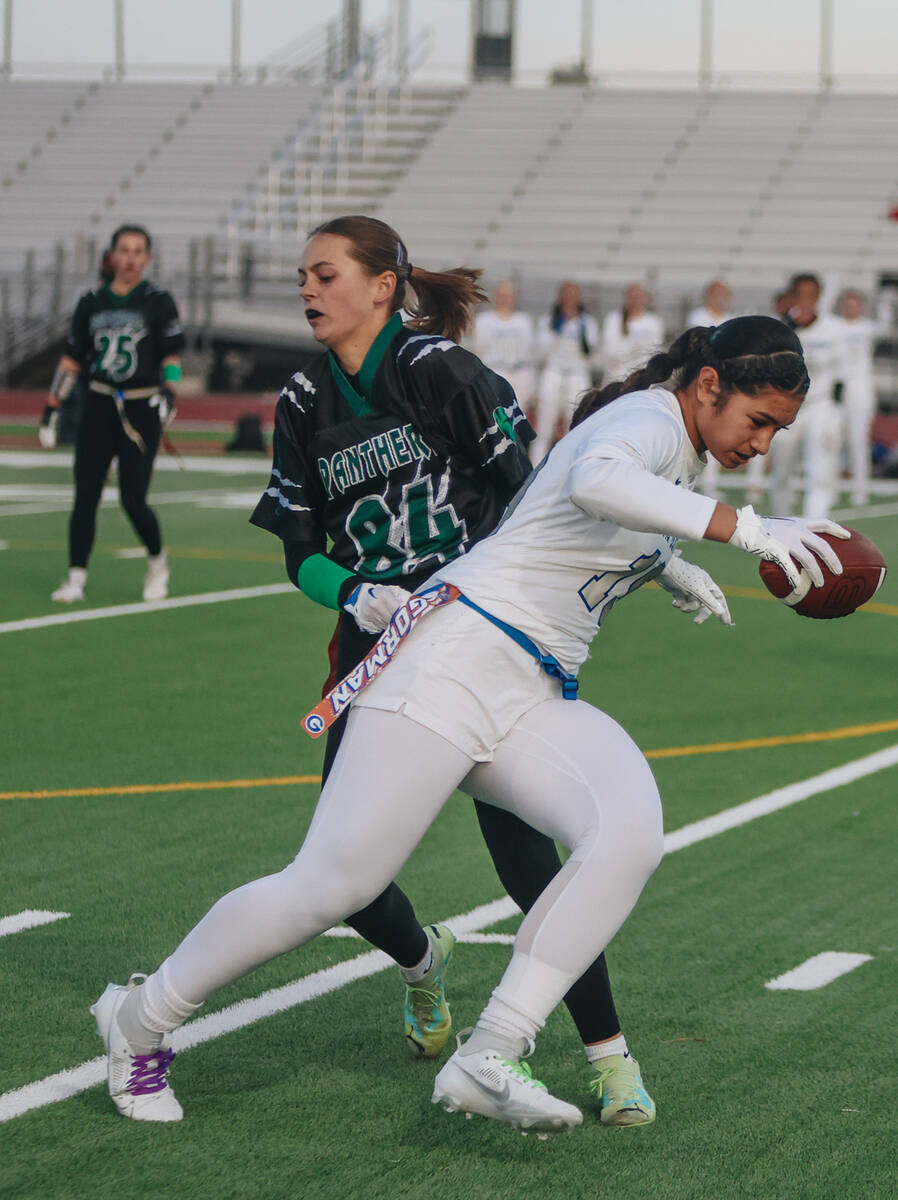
{"x":864,"y":569}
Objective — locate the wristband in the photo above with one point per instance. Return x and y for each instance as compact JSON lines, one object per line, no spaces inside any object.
{"x":171,"y":372}
{"x":322,"y":580}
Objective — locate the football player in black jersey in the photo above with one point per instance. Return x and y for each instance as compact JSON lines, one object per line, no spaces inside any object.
{"x":125,"y":339}
{"x":394,"y":451}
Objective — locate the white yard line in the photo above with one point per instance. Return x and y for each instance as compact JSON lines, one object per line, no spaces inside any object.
{"x":472,"y":939}
{"x":29,"y":918}
{"x":212,"y":464}
{"x":78,"y":1079}
{"x":59,"y":500}
{"x":144,"y":606}
{"x":869,"y":510}
{"x":731,"y":818}
{"x":817,"y":972}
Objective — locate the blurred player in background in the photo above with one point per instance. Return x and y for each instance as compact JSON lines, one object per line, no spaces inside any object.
{"x":630,"y":334}
{"x":714,"y":310}
{"x":815,"y":437}
{"x":566,"y":341}
{"x":402,"y":450}
{"x":504,"y":341}
{"x":859,"y":334}
{"x":124,"y":343}
{"x":482,"y":696}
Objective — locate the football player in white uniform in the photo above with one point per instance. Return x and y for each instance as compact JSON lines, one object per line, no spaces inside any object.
{"x":504,"y":341}
{"x":816,"y":436}
{"x":630,"y":334}
{"x":566,"y":342}
{"x":859,"y":334}
{"x":481,"y":695}
{"x":714,"y":310}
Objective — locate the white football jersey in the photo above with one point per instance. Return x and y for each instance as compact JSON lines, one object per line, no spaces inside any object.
{"x":858,"y":338}
{"x":563,"y":347}
{"x":824,"y":353}
{"x":702,"y":316}
{"x":597,"y":519}
{"x":504,"y":343}
{"x":624,"y":352}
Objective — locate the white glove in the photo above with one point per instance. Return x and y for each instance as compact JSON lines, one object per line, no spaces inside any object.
{"x":167,"y":403}
{"x":778,"y":538}
{"x":694,"y":591}
{"x":373,"y":604}
{"x":46,"y":431}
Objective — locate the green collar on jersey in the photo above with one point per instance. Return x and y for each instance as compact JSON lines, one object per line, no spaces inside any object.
{"x":117,"y":297}
{"x":359,"y":402}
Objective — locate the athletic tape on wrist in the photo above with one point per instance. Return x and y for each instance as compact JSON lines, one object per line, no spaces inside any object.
{"x":63,"y":382}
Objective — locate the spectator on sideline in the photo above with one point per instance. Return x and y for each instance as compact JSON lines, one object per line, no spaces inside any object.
{"x":815,"y":434}
{"x":714,"y":311}
{"x":630,"y":334}
{"x":504,"y":341}
{"x":859,"y":333}
{"x":566,"y":340}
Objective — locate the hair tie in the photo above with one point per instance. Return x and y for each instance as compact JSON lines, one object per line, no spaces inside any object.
{"x":409,"y":268}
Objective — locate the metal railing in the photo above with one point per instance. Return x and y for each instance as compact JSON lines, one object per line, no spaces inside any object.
{"x":343,"y":131}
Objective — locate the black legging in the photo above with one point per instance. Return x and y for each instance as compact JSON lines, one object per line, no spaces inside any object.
{"x":525,"y":861}
{"x":100,"y":438}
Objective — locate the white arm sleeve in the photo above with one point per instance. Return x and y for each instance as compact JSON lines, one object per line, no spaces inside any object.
{"x":611,"y":489}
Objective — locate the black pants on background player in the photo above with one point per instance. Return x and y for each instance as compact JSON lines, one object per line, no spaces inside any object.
{"x":101,"y":438}
{"x":525,"y":861}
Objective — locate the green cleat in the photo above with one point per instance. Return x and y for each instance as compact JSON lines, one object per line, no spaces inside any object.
{"x":427,"y":1019}
{"x":618,"y":1087}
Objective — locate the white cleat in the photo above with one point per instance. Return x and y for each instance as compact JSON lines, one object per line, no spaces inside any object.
{"x":493,"y":1086}
{"x":138,"y":1083}
{"x":68,"y":592}
{"x":155,"y":583}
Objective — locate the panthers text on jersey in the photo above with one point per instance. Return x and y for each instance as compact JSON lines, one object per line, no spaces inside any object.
{"x":400,"y":468}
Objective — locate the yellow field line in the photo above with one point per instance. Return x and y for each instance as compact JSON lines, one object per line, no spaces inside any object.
{"x":143,"y":789}
{"x":207,"y":785}
{"x":788,"y":739}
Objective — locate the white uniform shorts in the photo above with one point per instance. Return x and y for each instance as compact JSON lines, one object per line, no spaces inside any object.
{"x":462,"y":677}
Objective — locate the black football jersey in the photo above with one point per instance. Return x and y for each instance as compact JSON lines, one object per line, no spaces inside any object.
{"x":122,"y":340}
{"x":400,"y":469}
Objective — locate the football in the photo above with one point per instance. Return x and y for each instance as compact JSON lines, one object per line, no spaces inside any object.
{"x":864,"y":571}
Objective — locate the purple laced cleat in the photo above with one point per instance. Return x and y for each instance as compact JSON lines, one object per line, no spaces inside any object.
{"x":138,"y":1083}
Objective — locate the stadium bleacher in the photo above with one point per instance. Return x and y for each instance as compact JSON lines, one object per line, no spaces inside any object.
{"x":603,"y":184}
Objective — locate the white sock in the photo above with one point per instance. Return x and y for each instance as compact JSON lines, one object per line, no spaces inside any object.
{"x":157,"y":560}
{"x":78,"y":575}
{"x":160,"y":1008}
{"x":416,"y":973}
{"x":504,"y":1027}
{"x":598,"y":1050}
{"x":140,"y":1039}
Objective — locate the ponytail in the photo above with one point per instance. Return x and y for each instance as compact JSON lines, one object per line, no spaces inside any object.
{"x":442,"y":299}
{"x":749,"y":354}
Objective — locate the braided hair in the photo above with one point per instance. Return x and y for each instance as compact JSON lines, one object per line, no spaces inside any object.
{"x":749,"y":355}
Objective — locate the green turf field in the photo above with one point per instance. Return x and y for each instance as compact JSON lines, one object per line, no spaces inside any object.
{"x":760,"y":1093}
